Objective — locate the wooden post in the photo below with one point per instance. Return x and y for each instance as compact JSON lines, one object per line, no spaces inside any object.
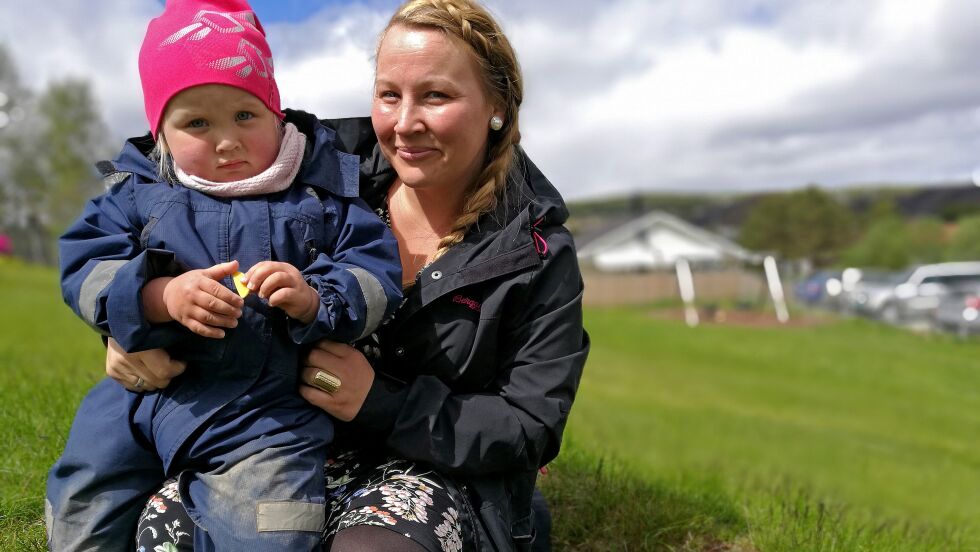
{"x":776,"y":288}
{"x":685,"y":282}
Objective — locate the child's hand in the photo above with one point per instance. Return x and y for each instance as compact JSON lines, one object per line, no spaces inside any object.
{"x":283,"y":286}
{"x":200,"y":302}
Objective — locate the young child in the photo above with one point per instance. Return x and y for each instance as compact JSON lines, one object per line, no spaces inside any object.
{"x":151,"y":263}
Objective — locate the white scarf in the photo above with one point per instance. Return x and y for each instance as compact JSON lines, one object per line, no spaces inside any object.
{"x":276,"y":178}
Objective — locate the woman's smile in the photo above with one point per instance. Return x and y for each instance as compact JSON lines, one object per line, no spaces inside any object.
{"x":416,"y":153}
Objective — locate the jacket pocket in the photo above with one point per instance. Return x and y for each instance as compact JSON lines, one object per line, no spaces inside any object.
{"x":145,"y":234}
{"x":495,"y":527}
{"x":195,"y":349}
{"x":522,"y":532}
{"x":303,"y":222}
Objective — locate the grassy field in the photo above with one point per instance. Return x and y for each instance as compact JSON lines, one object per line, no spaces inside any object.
{"x":834,"y":437}
{"x":48,"y":359}
{"x":840,"y":436}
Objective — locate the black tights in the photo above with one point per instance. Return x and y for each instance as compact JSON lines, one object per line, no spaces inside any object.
{"x":370,"y":538}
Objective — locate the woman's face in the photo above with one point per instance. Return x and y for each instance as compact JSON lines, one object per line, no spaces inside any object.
{"x":430,"y":109}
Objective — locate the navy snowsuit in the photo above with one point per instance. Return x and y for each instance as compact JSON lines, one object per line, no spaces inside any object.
{"x":248,"y":450}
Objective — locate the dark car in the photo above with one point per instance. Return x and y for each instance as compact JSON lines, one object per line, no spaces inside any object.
{"x":959,"y":311}
{"x":819,"y":287}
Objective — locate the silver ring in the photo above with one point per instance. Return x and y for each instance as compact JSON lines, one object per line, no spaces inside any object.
{"x":139,"y":382}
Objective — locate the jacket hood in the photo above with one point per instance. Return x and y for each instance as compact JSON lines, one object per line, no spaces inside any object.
{"x":317,"y":168}
{"x":534,"y":189}
{"x":134,"y":158}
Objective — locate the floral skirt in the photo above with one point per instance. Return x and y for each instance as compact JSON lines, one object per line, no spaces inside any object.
{"x":399,"y":495}
{"x":402,"y":496}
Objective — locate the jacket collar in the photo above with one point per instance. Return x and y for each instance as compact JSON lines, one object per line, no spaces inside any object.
{"x":321,"y":163}
{"x":323,"y":160}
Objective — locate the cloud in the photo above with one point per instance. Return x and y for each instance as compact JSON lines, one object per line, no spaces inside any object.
{"x":627,"y":95}
{"x":97,"y":41}
{"x":326,"y":64}
{"x":774,"y":95}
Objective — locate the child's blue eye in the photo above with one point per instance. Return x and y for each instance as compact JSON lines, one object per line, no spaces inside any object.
{"x":197,"y":123}
{"x":243,"y":116}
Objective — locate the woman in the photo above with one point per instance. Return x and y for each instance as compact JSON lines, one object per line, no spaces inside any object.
{"x":453,"y":405}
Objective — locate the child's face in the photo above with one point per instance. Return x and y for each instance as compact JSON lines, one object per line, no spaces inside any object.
{"x":220,"y":133}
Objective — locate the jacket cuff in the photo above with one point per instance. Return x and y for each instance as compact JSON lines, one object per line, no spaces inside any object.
{"x":382,"y":405}
{"x":325,"y":325}
{"x":124,"y":304}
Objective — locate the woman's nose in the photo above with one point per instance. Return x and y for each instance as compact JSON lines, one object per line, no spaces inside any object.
{"x":408,"y":119}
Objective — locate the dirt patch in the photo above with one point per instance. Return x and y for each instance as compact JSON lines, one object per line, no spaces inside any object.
{"x":753,"y":318}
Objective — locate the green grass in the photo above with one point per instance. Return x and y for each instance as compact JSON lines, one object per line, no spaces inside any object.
{"x":849,"y":431}
{"x":846,"y":436}
{"x":48,"y":359}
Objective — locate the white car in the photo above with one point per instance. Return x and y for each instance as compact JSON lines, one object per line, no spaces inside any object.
{"x":912,"y":296}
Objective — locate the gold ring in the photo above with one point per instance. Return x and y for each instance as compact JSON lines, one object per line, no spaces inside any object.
{"x":326,"y":381}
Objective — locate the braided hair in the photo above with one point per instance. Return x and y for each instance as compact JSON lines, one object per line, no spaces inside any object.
{"x":473,"y":25}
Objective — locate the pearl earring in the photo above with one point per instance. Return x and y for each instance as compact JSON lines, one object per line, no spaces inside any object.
{"x":496,"y":123}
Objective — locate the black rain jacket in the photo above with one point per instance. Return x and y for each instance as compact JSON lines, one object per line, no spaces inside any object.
{"x":477,"y":371}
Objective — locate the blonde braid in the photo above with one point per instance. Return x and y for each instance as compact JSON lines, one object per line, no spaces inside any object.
{"x":472,"y":24}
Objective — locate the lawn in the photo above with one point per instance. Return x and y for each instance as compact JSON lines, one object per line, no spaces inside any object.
{"x":49,"y":358}
{"x":841,"y":436}
{"x":832,"y":437}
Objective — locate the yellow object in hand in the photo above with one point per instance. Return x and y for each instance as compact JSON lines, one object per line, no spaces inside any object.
{"x":237,"y":277}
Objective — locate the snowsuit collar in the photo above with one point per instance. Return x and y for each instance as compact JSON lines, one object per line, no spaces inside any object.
{"x":318,"y":169}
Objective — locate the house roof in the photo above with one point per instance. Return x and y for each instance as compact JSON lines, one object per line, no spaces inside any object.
{"x":660,"y":220}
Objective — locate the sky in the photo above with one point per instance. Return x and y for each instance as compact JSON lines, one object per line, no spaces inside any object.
{"x":622,"y":96}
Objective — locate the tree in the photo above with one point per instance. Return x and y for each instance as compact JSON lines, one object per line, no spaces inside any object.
{"x":17,"y":217}
{"x":926,"y":240}
{"x":46,"y":160}
{"x":73,"y":138}
{"x":884,"y":245}
{"x":806,"y":224}
{"x":965,"y":244}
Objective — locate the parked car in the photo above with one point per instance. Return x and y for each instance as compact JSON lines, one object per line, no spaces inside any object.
{"x":819,"y":287}
{"x":866,"y":293}
{"x":959,"y":311}
{"x":912,"y":296}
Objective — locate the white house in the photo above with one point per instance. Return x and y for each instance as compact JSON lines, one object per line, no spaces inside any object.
{"x":658,"y":240}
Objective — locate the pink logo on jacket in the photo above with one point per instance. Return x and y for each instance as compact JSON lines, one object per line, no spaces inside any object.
{"x":472,"y":304}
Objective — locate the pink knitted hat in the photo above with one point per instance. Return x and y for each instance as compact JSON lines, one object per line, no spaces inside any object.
{"x":196,"y":42}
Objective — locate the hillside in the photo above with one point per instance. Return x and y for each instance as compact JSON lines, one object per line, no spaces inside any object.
{"x":725,"y":213}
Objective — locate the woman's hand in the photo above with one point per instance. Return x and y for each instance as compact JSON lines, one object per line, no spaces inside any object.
{"x":346,"y":363}
{"x":152,"y":369}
